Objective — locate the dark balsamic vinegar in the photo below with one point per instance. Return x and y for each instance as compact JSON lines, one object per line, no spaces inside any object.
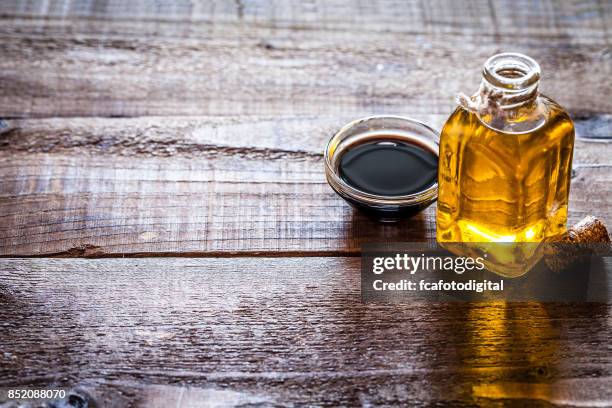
{"x":388,"y":167}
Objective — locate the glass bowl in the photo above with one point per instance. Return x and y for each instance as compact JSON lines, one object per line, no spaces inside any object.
{"x":370,"y":129}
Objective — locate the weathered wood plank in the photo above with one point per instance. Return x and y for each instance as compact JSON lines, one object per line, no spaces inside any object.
{"x":581,"y":19}
{"x":285,"y":331}
{"x":187,"y":186}
{"x":100,"y":59}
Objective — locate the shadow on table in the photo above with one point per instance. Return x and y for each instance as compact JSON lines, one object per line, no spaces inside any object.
{"x":367,"y":229}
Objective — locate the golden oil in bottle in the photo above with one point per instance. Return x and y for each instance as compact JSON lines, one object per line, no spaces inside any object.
{"x":505,"y":162}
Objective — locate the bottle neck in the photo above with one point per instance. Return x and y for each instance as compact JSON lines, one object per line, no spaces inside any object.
{"x":509,"y":81}
{"x":493,"y":97}
{"x":507,"y":100}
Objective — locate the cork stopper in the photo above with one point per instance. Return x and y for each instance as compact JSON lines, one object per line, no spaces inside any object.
{"x":575,"y":245}
{"x":589,"y":229}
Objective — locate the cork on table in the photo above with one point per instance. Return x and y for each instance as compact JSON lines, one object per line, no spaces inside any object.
{"x":168,"y":237}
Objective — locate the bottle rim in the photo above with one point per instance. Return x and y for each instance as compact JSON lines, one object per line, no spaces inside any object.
{"x":511,"y":71}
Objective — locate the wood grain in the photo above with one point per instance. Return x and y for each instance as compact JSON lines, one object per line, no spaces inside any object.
{"x":204,"y":186}
{"x":286,"y":331}
{"x":225,"y":108}
{"x":99,"y":58}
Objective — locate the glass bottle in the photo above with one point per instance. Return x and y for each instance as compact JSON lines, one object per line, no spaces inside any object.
{"x":505,"y":160}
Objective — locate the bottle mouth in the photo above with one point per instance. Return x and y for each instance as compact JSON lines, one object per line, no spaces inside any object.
{"x":511,"y":72}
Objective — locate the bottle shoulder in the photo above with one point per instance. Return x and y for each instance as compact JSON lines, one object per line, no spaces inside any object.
{"x":542,"y":113}
{"x":553,"y":108}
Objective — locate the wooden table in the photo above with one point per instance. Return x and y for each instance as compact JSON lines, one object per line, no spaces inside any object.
{"x":168,"y":235}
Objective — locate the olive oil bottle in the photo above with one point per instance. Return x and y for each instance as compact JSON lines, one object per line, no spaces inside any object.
{"x":505,"y":160}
